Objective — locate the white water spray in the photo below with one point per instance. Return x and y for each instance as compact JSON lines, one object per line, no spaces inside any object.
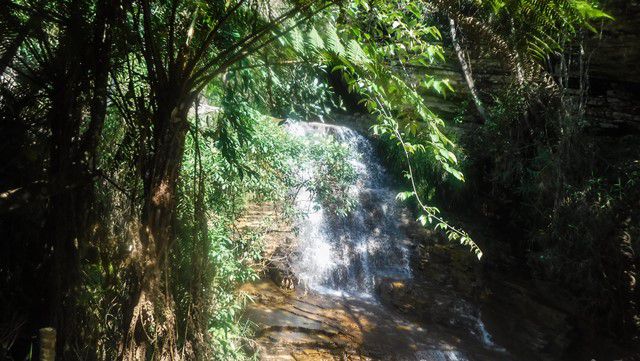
{"x":350,"y":254}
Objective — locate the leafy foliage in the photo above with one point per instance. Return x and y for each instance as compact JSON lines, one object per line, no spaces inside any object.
{"x":397,"y":39}
{"x":334,"y":175}
{"x":135,"y":133}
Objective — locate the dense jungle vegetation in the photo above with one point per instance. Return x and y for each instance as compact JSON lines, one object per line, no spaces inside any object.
{"x":135,"y":133}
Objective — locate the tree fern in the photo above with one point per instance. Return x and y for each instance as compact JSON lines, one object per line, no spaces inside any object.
{"x":314,"y":41}
{"x":355,"y":54}
{"x":333,"y":42}
{"x":523,"y":33}
{"x":296,"y":40}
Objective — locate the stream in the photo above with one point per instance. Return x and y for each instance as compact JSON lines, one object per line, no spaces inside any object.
{"x":353,"y":276}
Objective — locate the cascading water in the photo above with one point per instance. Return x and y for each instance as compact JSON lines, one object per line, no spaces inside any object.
{"x":349,"y":254}
{"x":342,"y":260}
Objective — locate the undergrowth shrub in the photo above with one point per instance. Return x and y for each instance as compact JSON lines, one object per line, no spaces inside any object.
{"x":573,"y":197}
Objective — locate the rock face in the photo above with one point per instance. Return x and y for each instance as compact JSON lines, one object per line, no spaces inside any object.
{"x":311,"y":326}
{"x":278,"y":237}
{"x":614,"y":70}
{"x":617,"y":54}
{"x":290,"y":330}
{"x":519,"y":321}
{"x":451,"y":289}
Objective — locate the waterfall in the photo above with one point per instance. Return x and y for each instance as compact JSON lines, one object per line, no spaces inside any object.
{"x":349,"y":254}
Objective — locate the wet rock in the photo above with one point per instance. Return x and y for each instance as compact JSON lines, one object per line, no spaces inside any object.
{"x":281,"y":274}
{"x":519,"y":321}
{"x":313,"y":326}
{"x":398,"y":294}
{"x":450,"y":289}
{"x":423,"y":302}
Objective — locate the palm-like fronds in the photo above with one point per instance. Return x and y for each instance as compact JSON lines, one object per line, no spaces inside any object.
{"x":539,"y":27}
{"x":523,"y":33}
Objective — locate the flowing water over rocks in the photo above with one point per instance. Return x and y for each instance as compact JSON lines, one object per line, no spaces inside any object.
{"x":323,"y":326}
{"x":355,"y":284}
{"x":350,"y":254}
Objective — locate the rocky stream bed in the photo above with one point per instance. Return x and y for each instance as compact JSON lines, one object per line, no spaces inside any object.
{"x":377,"y":285}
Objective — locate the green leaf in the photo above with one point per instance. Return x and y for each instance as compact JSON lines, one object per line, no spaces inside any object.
{"x":403,"y":196}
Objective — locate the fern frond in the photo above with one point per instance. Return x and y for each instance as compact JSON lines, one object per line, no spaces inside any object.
{"x":314,"y":42}
{"x":355,"y":54}
{"x":333,"y":42}
{"x":296,"y":40}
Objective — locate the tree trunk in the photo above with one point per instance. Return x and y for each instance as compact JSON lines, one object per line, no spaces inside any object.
{"x":466,"y":70}
{"x":198,"y":321}
{"x":153,"y":303}
{"x":66,"y":204}
{"x":70,"y":182}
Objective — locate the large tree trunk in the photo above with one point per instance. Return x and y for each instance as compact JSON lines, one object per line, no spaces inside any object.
{"x":70,"y":197}
{"x":72,"y":154}
{"x":153,"y":304}
{"x":67,"y":201}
